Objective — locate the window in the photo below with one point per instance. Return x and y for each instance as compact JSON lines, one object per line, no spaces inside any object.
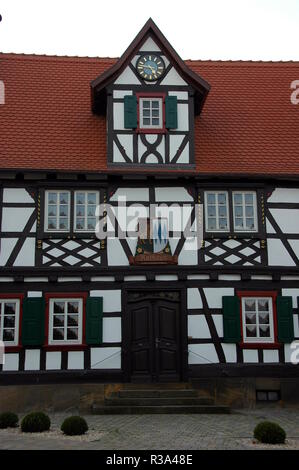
{"x":220,"y":217}
{"x":257,"y":320}
{"x":244,"y":208}
{"x":85,"y":208}
{"x":150,"y":113}
{"x":57,"y":211}
{"x":65,"y":321}
{"x":216,"y":211}
{"x":9,"y":321}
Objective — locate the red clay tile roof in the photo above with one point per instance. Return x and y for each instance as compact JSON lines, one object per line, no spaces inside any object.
{"x":248,"y":124}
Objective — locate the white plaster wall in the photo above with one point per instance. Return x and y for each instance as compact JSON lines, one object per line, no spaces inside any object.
{"x":198,"y":327}
{"x":16,"y":195}
{"x":32,"y":359}
{"x":75,"y":360}
{"x":11,"y":362}
{"x":193,"y":298}
{"x":118,"y":116}
{"x":173,"y":194}
{"x":188,"y":255}
{"x":115,"y":253}
{"x":119,"y":94}
{"x":214,"y":295}
{"x":277,"y":254}
{"x":287,"y":219}
{"x":173,"y":78}
{"x":284,"y":195}
{"x":126,"y":141}
{"x":250,"y":355}
{"x":111,"y":299}
{"x":7,"y":245}
{"x":53,"y":360}
{"x":105,"y":358}
{"x":202,"y":354}
{"x":181,"y":95}
{"x":270,"y":355}
{"x":112,"y":330}
{"x":230,"y":352}
{"x":127,"y":77}
{"x":131,"y":194}
{"x":294,"y":293}
{"x":14,"y":219}
{"x":26,"y":256}
{"x":183,"y":117}
{"x":149,"y":45}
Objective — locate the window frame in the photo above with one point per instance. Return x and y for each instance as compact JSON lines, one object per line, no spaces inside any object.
{"x":57,"y":191}
{"x":151,"y":130}
{"x":232,"y":233}
{"x":255,"y":343}
{"x":16,"y":345}
{"x":217,"y":216}
{"x":69,"y":345}
{"x":85,"y":230}
{"x":255,"y":218}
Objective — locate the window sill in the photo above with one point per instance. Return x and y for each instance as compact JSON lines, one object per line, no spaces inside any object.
{"x":151,"y":131}
{"x":274,"y":345}
{"x":65,"y":347}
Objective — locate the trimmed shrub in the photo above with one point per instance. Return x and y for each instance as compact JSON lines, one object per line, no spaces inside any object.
{"x":8,"y":420}
{"x":35,"y":422}
{"x":269,"y":433}
{"x":74,"y":426}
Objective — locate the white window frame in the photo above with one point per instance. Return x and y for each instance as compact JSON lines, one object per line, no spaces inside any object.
{"x":217,"y":214}
{"x":58,"y":192}
{"x":258,"y":339}
{"x":255,"y":229}
{"x":56,"y":342}
{"x":150,"y":126}
{"x":17,"y":320}
{"x":85,"y":206}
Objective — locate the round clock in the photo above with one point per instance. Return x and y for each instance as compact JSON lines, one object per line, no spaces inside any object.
{"x":150,"y":67}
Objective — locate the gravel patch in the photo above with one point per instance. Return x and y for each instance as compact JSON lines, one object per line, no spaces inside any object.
{"x":89,"y":436}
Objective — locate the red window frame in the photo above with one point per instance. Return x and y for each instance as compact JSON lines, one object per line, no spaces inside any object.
{"x":20,"y":297}
{"x":260,"y":345}
{"x":142,"y":130}
{"x":65,"y":347}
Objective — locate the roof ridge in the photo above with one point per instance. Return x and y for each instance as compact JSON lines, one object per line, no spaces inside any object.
{"x":20,"y":55}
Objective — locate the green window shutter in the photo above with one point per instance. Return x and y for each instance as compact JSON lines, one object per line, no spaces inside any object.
{"x":94,"y":320}
{"x":285,"y":325}
{"x":130,"y":116}
{"x":231,"y":319}
{"x":171,"y":112}
{"x":33,"y":321}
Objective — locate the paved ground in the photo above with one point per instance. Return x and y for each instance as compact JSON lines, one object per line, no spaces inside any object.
{"x":148,"y":432}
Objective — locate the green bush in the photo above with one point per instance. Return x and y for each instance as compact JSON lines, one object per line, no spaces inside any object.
{"x":269,"y":433}
{"x":74,"y":426}
{"x":35,"y":422}
{"x":8,"y":420}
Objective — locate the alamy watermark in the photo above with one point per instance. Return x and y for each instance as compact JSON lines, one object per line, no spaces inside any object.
{"x":295,"y":94}
{"x":2,"y":92}
{"x":295,"y":353}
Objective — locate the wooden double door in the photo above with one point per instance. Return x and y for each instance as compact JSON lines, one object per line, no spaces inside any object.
{"x":153,"y":349}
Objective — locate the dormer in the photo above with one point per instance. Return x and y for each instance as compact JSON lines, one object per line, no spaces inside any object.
{"x":150,"y":98}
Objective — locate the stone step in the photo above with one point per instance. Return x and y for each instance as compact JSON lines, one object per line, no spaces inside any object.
{"x":157,"y":401}
{"x":174,"y":409}
{"x":154,"y":393}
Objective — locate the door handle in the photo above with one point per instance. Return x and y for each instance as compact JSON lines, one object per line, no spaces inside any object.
{"x":157,"y":342}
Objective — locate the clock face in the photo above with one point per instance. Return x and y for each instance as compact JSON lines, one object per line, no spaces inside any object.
{"x":150,"y":67}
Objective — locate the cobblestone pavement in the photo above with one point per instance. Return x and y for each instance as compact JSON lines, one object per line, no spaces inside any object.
{"x":148,"y":432}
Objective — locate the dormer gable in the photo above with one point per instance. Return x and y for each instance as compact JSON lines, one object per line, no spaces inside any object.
{"x":150,"y":98}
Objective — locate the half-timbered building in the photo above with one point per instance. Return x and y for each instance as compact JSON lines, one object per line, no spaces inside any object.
{"x":203,"y":155}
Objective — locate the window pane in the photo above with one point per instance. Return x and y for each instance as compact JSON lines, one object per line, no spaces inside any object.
{"x":264,"y":331}
{"x":222,"y":224}
{"x":251,"y":331}
{"x":264,"y":318}
{"x":72,"y":320}
{"x":221,"y":198}
{"x":91,"y":211}
{"x":155,"y":113}
{"x":146,"y":121}
{"x":146,"y":104}
{"x":80,"y":224}
{"x":250,"y":224}
{"x":58,"y":334}
{"x":91,"y":198}
{"x":63,"y":211}
{"x":212,"y":224}
{"x":52,"y":224}
{"x":222,"y":211}
{"x":250,"y":318}
{"x":249,"y":305}
{"x":80,"y":211}
{"x":146,"y":113}
{"x":58,"y":307}
{"x":8,"y":335}
{"x":248,"y":198}
{"x":63,"y":224}
{"x":64,"y":198}
{"x":9,"y":308}
{"x":239,"y":211}
{"x":155,"y":122}
{"x":58,"y":320}
{"x":238,"y":198}
{"x":52,"y":211}
{"x":72,"y":333}
{"x":9,"y":321}
{"x":239,"y":223}
{"x":80,"y":198}
{"x":263,"y":305}
{"x":91,"y":223}
{"x":211,"y":198}
{"x":211,"y":211}
{"x":52,"y":198}
{"x":73,"y":307}
{"x":249,"y":211}
{"x":155,"y":104}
